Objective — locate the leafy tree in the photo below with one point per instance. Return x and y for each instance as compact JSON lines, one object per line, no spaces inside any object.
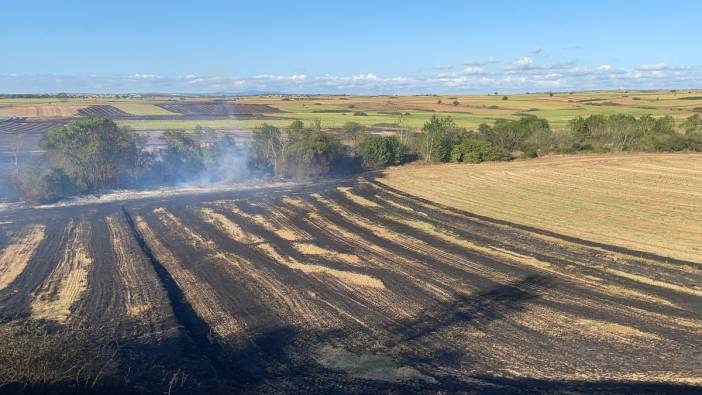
{"x":183,"y":157}
{"x":268,"y":146}
{"x":93,"y":152}
{"x":382,"y":151}
{"x":475,"y":151}
{"x":312,"y":155}
{"x":512,"y":135}
{"x":435,"y":142}
{"x":692,"y":124}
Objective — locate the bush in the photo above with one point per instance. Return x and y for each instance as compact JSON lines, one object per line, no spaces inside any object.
{"x":42,"y":185}
{"x":511,"y":135}
{"x":360,"y":114}
{"x":476,"y":151}
{"x":530,"y":152}
{"x":440,"y":134}
{"x":352,"y":131}
{"x":312,"y":155}
{"x":379,"y":151}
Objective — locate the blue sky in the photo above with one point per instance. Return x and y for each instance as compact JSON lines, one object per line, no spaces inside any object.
{"x":351,"y":47}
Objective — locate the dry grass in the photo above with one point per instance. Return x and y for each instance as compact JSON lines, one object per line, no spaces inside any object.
{"x":258,"y":219}
{"x":349,"y":278}
{"x":16,"y":255}
{"x":614,"y":329}
{"x":43,"y":110}
{"x":67,"y":282}
{"x":646,"y":202}
{"x":313,"y":249}
{"x":357,"y":199}
{"x":229,"y":227}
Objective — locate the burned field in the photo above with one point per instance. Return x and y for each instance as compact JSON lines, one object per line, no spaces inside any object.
{"x":31,"y":132}
{"x":352,"y":286}
{"x":218,"y":109}
{"x":186,"y":111}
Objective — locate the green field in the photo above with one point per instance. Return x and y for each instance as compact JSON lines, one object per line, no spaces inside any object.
{"x":383,"y":111}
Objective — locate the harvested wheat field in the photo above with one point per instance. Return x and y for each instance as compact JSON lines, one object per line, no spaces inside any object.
{"x":647,"y":202}
{"x":357,"y":286}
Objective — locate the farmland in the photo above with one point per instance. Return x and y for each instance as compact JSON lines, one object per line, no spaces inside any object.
{"x":240,"y":115}
{"x":644,"y":202}
{"x":378,"y":283}
{"x":378,"y":113}
{"x":469,"y":111}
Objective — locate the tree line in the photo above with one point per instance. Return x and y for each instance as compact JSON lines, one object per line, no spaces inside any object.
{"x":93,"y":155}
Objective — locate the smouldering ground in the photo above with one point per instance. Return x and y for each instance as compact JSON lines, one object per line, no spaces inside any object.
{"x":647,"y":202}
{"x":354,"y":286}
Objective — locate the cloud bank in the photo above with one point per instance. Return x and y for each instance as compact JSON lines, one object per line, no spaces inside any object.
{"x":473,"y":76}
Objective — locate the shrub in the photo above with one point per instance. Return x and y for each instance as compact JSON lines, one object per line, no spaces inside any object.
{"x":530,"y":152}
{"x":440,"y":133}
{"x":476,"y":151}
{"x":382,"y":151}
{"x":40,"y":184}
{"x":360,"y":114}
{"x":312,"y":155}
{"x":352,"y":132}
{"x":512,"y":135}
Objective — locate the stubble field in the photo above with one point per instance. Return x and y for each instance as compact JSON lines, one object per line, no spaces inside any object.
{"x":357,"y":286}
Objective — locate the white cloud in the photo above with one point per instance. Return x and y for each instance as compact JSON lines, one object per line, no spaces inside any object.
{"x":524,"y":74}
{"x":522,"y":63}
{"x":146,"y":76}
{"x":472,"y":71}
{"x":273,"y":77}
{"x":654,"y":67}
{"x":527,"y":63}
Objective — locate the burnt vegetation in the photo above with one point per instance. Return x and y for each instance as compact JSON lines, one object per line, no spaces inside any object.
{"x":349,"y":287}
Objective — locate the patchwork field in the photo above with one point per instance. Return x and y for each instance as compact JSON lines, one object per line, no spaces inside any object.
{"x":375,"y":111}
{"x":356,"y":286}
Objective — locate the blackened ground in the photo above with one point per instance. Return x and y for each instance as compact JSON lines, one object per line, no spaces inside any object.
{"x":353,"y":287}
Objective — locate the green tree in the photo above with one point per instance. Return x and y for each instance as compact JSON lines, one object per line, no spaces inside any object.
{"x":382,"y":151}
{"x":511,"y":134}
{"x":93,"y":152}
{"x":475,"y":151}
{"x":312,"y":155}
{"x":435,"y":142}
{"x":268,"y":146}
